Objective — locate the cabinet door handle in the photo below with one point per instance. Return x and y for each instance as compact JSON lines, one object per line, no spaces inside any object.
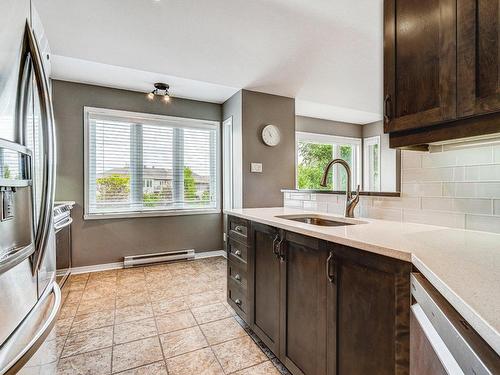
{"x":238,"y":228}
{"x":275,"y":246}
{"x":387,"y":111}
{"x":237,"y":253}
{"x":238,"y":301}
{"x":329,"y":275}
{"x":237,"y":277}
{"x":281,"y":251}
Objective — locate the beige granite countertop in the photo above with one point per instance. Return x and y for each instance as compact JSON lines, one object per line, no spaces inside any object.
{"x":463,"y":265}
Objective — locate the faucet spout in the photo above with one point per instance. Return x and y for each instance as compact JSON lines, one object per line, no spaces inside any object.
{"x":351,"y":201}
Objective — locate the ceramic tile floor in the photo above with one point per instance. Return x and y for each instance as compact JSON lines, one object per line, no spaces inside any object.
{"x":164,"y":319}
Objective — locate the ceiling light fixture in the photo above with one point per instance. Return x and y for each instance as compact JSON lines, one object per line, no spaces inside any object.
{"x":161,"y":89}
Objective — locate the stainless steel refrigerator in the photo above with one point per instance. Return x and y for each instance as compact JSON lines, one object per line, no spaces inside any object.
{"x":29,"y":295}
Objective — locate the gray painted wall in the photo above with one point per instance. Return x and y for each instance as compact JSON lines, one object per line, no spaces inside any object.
{"x":278,"y":163}
{"x":105,"y":241}
{"x":315,"y":125}
{"x":251,"y":111}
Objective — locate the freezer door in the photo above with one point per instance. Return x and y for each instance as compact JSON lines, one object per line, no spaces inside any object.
{"x":41,"y":140}
{"x":30,"y":334}
{"x":34,"y":139}
{"x":13,"y":17}
{"x":17,"y":297}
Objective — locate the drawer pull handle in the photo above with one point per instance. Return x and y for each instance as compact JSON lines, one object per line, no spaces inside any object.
{"x":238,"y":229}
{"x":237,"y":277}
{"x":238,"y":301}
{"x":237,"y":253}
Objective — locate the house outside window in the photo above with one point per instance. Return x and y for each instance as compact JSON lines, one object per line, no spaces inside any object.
{"x":139,"y":164}
{"x":314,"y":151}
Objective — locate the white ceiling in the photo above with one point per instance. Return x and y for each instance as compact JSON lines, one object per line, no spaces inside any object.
{"x":325,"y":53}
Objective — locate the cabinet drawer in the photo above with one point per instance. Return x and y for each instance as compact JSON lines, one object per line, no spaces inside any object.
{"x":237,"y":274}
{"x":237,"y":228}
{"x":237,"y":299}
{"x":237,"y":251}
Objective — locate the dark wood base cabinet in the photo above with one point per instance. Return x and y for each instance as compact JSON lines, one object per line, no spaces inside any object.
{"x":264,"y":288}
{"x":373,"y":313}
{"x":303,"y":303}
{"x":324,"y":308}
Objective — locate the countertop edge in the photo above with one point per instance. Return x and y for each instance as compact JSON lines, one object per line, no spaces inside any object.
{"x":483,"y":328}
{"x":393,"y":253}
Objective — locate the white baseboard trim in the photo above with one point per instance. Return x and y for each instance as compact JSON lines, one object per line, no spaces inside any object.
{"x":97,"y":268}
{"x":119,"y":265}
{"x":210,"y":254}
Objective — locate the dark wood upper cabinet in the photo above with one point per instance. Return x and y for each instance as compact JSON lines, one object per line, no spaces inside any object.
{"x":478,"y":57}
{"x":441,"y":70}
{"x":264,"y":291}
{"x":303,"y":305}
{"x":420,"y":63}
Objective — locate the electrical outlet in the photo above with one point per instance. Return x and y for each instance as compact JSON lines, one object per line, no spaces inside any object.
{"x":256,"y":167}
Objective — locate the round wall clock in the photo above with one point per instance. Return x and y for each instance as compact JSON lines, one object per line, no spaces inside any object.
{"x":271,"y":135}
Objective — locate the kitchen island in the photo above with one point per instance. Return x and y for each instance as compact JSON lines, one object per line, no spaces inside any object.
{"x":464,"y":266}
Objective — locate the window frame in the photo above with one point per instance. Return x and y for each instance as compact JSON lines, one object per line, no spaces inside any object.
{"x":156,"y":120}
{"x":301,"y":136}
{"x":367,"y":142}
{"x":227,"y":158}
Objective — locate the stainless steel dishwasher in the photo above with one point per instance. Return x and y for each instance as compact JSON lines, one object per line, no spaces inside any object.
{"x":441,"y":341}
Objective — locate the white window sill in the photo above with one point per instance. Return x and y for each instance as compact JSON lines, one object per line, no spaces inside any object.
{"x":130,"y":215}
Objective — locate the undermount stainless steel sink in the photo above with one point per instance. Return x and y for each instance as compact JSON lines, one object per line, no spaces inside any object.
{"x":320,"y":220}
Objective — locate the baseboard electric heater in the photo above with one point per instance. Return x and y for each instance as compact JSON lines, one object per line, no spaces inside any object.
{"x":140,"y":260}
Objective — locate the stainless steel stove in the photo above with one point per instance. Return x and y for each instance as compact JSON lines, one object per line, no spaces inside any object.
{"x":62,"y":227}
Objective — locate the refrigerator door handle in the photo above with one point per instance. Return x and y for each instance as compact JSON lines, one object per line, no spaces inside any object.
{"x":48,"y":140}
{"x":23,"y":94}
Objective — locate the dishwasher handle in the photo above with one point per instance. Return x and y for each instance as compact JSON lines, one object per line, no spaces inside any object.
{"x":472,"y":354}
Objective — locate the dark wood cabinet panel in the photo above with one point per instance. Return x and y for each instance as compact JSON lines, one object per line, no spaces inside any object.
{"x":237,"y":251}
{"x":441,"y":70}
{"x":237,"y":229}
{"x":303,"y":305}
{"x":373,"y":302}
{"x":236,"y":272}
{"x":239,"y":254}
{"x":478,"y":56}
{"x":237,"y":299}
{"x":419,"y":63}
{"x":324,"y":308}
{"x":265,"y":285}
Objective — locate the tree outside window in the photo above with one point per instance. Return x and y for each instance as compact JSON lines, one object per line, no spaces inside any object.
{"x":315,"y":151}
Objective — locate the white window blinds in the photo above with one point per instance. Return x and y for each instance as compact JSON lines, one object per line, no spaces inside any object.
{"x":138,"y":163}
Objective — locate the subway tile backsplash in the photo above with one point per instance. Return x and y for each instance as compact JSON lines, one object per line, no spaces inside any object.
{"x":450,"y":186}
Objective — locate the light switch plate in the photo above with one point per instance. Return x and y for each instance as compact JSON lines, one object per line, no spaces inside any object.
{"x":256,"y":167}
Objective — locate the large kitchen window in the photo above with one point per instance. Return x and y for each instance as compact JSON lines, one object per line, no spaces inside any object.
{"x":314,"y":151}
{"x":138,"y":164}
